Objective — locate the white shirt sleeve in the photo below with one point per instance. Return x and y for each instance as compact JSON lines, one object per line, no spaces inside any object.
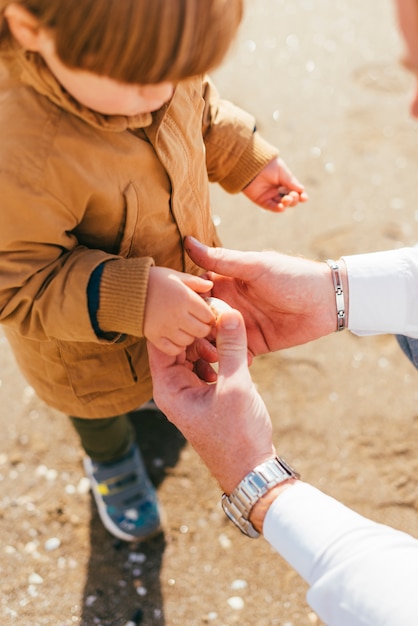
{"x":360,"y":573}
{"x":383,"y":292}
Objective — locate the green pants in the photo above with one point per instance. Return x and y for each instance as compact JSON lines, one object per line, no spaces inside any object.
{"x":105,"y":439}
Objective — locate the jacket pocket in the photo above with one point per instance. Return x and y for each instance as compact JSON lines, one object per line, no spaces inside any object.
{"x":130,"y":221}
{"x":99,"y":370}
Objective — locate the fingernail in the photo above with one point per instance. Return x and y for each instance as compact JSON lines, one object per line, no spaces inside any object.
{"x":195,"y":242}
{"x":229,"y":321}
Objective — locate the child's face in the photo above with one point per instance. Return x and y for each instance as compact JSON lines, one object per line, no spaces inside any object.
{"x":103,"y":94}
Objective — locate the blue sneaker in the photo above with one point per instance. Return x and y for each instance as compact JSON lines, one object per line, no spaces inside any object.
{"x":125,"y":497}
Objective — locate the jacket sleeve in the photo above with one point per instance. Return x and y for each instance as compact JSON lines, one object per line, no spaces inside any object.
{"x":45,"y":272}
{"x":235,"y":151}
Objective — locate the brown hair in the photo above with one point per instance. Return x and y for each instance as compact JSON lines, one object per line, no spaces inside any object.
{"x":137,"y":41}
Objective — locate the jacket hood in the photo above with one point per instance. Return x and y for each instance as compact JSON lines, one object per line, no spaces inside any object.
{"x":35,"y":73}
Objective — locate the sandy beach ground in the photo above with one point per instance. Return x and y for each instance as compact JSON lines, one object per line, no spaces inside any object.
{"x":323,"y":80}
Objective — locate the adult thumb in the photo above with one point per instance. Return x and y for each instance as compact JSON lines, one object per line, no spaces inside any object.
{"x":231,"y":344}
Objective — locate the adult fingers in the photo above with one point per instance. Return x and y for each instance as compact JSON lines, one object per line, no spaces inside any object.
{"x":220,"y":260}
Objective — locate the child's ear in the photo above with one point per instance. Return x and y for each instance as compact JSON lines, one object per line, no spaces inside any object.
{"x":24,"y":26}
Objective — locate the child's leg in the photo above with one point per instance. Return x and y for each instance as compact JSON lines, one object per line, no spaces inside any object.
{"x":105,"y":439}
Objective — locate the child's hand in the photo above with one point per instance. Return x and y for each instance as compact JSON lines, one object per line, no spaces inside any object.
{"x":174,"y":312}
{"x":275,"y":188}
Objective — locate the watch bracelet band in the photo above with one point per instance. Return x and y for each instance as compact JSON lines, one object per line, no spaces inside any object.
{"x":339,"y":294}
{"x":253,"y":486}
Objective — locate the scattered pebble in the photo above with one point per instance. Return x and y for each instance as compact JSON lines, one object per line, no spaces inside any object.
{"x":250,"y":45}
{"x":83,"y":485}
{"x":31,"y":547}
{"x":316,"y":152}
{"x":35,"y":579}
{"x":239,"y":584}
{"x":236,"y":603}
{"x":33,"y":591}
{"x":28,"y":394}
{"x":224,"y":541}
{"x":41,"y":470}
{"x":51,"y":475}
{"x":137,"y":557}
{"x":141,"y":591}
{"x":52,"y":544}
{"x":63,"y":563}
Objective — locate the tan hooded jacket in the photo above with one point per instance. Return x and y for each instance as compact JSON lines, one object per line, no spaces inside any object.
{"x":78,"y":189}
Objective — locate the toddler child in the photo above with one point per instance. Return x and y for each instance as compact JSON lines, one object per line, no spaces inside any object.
{"x":110,"y":133}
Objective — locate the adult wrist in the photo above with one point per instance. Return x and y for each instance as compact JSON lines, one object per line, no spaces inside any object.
{"x":257,"y":484}
{"x":260,"y":508}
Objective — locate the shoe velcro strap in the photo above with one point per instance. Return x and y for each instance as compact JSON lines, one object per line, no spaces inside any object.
{"x":114,"y":485}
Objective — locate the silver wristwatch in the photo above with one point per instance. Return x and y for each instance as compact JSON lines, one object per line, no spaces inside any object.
{"x":252,"y":487}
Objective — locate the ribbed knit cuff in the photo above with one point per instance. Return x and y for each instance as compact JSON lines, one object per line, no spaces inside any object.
{"x":123,"y":292}
{"x":255,"y":157}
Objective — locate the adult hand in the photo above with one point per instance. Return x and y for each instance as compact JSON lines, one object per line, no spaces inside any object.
{"x":226,"y":422}
{"x":285,"y":300}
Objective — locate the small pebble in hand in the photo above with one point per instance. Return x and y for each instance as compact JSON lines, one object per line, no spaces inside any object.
{"x":217,"y":306}
{"x":282,"y":192}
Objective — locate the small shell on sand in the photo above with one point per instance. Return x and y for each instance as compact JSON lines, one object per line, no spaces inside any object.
{"x":217,"y":306}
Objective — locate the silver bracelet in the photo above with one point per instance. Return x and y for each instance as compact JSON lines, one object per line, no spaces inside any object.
{"x":339,"y":294}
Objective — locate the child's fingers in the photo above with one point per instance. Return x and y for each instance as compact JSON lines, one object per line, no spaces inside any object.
{"x":197,"y":283}
{"x":173,"y":345}
{"x":290,"y":199}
